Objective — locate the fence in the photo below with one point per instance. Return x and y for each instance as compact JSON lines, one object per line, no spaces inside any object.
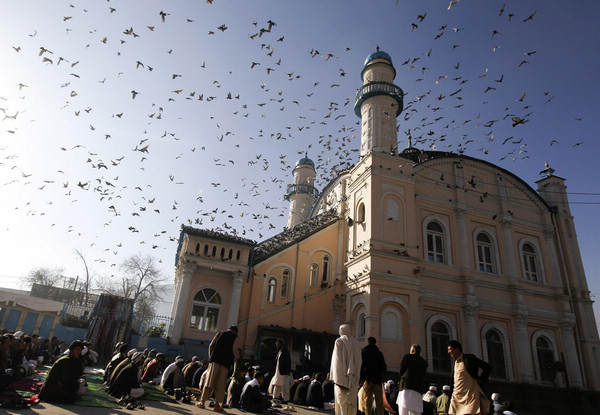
{"x":153,"y":326}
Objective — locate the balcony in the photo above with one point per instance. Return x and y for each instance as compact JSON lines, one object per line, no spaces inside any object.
{"x":378,"y":88}
{"x":301,"y":188}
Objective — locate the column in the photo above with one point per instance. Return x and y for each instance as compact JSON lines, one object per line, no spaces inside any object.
{"x":509,"y":249}
{"x":180,"y":301}
{"x":464,"y":251}
{"x":571,"y":354}
{"x":523,"y":348}
{"x":236,"y":294}
{"x":471,"y":344}
{"x":553,"y":275}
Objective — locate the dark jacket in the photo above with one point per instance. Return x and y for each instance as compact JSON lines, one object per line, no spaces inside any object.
{"x":221,"y":348}
{"x":373,"y":364}
{"x":412,"y":372}
{"x":301,"y":392}
{"x":125,"y":380}
{"x":473,"y":365}
{"x":284,"y":360}
{"x":314,"y":396}
{"x":62,"y":382}
{"x":252,"y":400}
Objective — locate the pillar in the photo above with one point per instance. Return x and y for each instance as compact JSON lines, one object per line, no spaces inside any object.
{"x":236,"y":294}
{"x":571,"y":354}
{"x":472,"y":334}
{"x":180,"y":301}
{"x":523,"y":344}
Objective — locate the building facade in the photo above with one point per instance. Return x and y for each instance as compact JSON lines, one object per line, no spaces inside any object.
{"x":409,"y":247}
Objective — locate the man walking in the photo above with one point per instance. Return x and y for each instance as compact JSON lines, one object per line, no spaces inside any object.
{"x":371,"y":371}
{"x":470,"y":374}
{"x":222,"y":353}
{"x":283,"y":367}
{"x":412,"y":379}
{"x":345,"y":371}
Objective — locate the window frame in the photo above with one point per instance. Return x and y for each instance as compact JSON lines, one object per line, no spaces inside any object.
{"x":271,"y":289}
{"x":432,"y":255}
{"x":207,"y":305}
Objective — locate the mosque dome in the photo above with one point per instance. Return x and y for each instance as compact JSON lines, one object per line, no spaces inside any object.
{"x":305,"y":161}
{"x":379,"y":54}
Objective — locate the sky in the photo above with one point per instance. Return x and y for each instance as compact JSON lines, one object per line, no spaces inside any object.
{"x":121,"y":120}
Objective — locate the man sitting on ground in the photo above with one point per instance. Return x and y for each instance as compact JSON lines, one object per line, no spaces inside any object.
{"x":252,"y":400}
{"x":126,"y":379}
{"x":153,"y":372}
{"x":63,"y":383}
{"x":173,"y":377}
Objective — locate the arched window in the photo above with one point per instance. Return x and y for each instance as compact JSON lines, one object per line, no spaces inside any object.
{"x":485,"y":253}
{"x":230,"y":254}
{"x":495,"y":354}
{"x":205,"y":249}
{"x":238,"y":255}
{"x":435,"y":243}
{"x":314,"y":274}
{"x":197,"y":247}
{"x":271,"y":290}
{"x":222,"y":252}
{"x":530,"y":262}
{"x":325,"y":279}
{"x":545,"y":355}
{"x":391,"y":324}
{"x":361,"y":325}
{"x":285,"y":282}
{"x":214,"y":251}
{"x":360,"y":214}
{"x":440,"y":337}
{"x":205,"y":310}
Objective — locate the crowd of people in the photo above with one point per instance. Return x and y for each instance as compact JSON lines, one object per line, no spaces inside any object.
{"x":354,"y":385}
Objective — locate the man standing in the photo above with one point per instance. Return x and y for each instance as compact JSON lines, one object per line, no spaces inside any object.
{"x":280,"y":381}
{"x":221,"y":353}
{"x":371,"y":371}
{"x":468,"y":397}
{"x":412,"y":379}
{"x":345,"y":371}
{"x":63,"y":383}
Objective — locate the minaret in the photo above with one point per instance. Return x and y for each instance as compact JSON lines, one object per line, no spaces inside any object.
{"x":302,"y":194}
{"x":378,"y":102}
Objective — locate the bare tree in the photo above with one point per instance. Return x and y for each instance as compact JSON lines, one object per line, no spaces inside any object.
{"x":141,"y":282}
{"x":88,"y":277}
{"x":43,"y":276}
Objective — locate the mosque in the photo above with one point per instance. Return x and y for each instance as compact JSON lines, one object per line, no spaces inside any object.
{"x":409,"y":247}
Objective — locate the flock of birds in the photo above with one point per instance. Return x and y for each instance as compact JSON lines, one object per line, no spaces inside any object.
{"x":287,"y":111}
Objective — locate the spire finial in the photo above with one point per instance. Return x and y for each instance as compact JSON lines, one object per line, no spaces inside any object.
{"x":409,"y":138}
{"x":377,"y":48}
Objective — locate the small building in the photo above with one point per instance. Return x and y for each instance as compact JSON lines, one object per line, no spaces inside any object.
{"x":20,"y":311}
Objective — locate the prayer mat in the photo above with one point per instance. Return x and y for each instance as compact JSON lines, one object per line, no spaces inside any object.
{"x":21,"y":393}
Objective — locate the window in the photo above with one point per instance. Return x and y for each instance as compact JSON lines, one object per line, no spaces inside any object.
{"x":230,"y":254}
{"x":360,"y":218}
{"x":238,"y":255}
{"x":197,"y":247}
{"x":361,"y":325}
{"x":271,"y":290}
{"x":391,"y":327}
{"x":214,"y":251}
{"x":440,"y":336}
{"x":495,"y":353}
{"x":485,"y":257}
{"x":285,"y":281}
{"x":205,"y":249}
{"x":545,"y":355}
{"x":435,"y":242}
{"x":314,"y":274}
{"x":205,"y":310}
{"x":530,"y":262}
{"x":325,"y":270}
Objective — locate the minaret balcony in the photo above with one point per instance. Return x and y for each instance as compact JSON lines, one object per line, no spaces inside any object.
{"x":378,"y":88}
{"x":293,"y":189}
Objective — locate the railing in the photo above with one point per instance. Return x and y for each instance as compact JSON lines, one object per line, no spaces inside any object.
{"x":301,"y":188}
{"x":155,"y":326}
{"x":378,"y":88}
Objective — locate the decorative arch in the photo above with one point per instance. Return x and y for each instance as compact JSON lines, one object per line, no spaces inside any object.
{"x":445,"y":238}
{"x":541,"y":278}
{"x":441,"y":349}
{"x":501,"y":330}
{"x":206,"y":307}
{"x":393,"y":217}
{"x":391,"y":324}
{"x":549,"y":337}
{"x":494,"y":252}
